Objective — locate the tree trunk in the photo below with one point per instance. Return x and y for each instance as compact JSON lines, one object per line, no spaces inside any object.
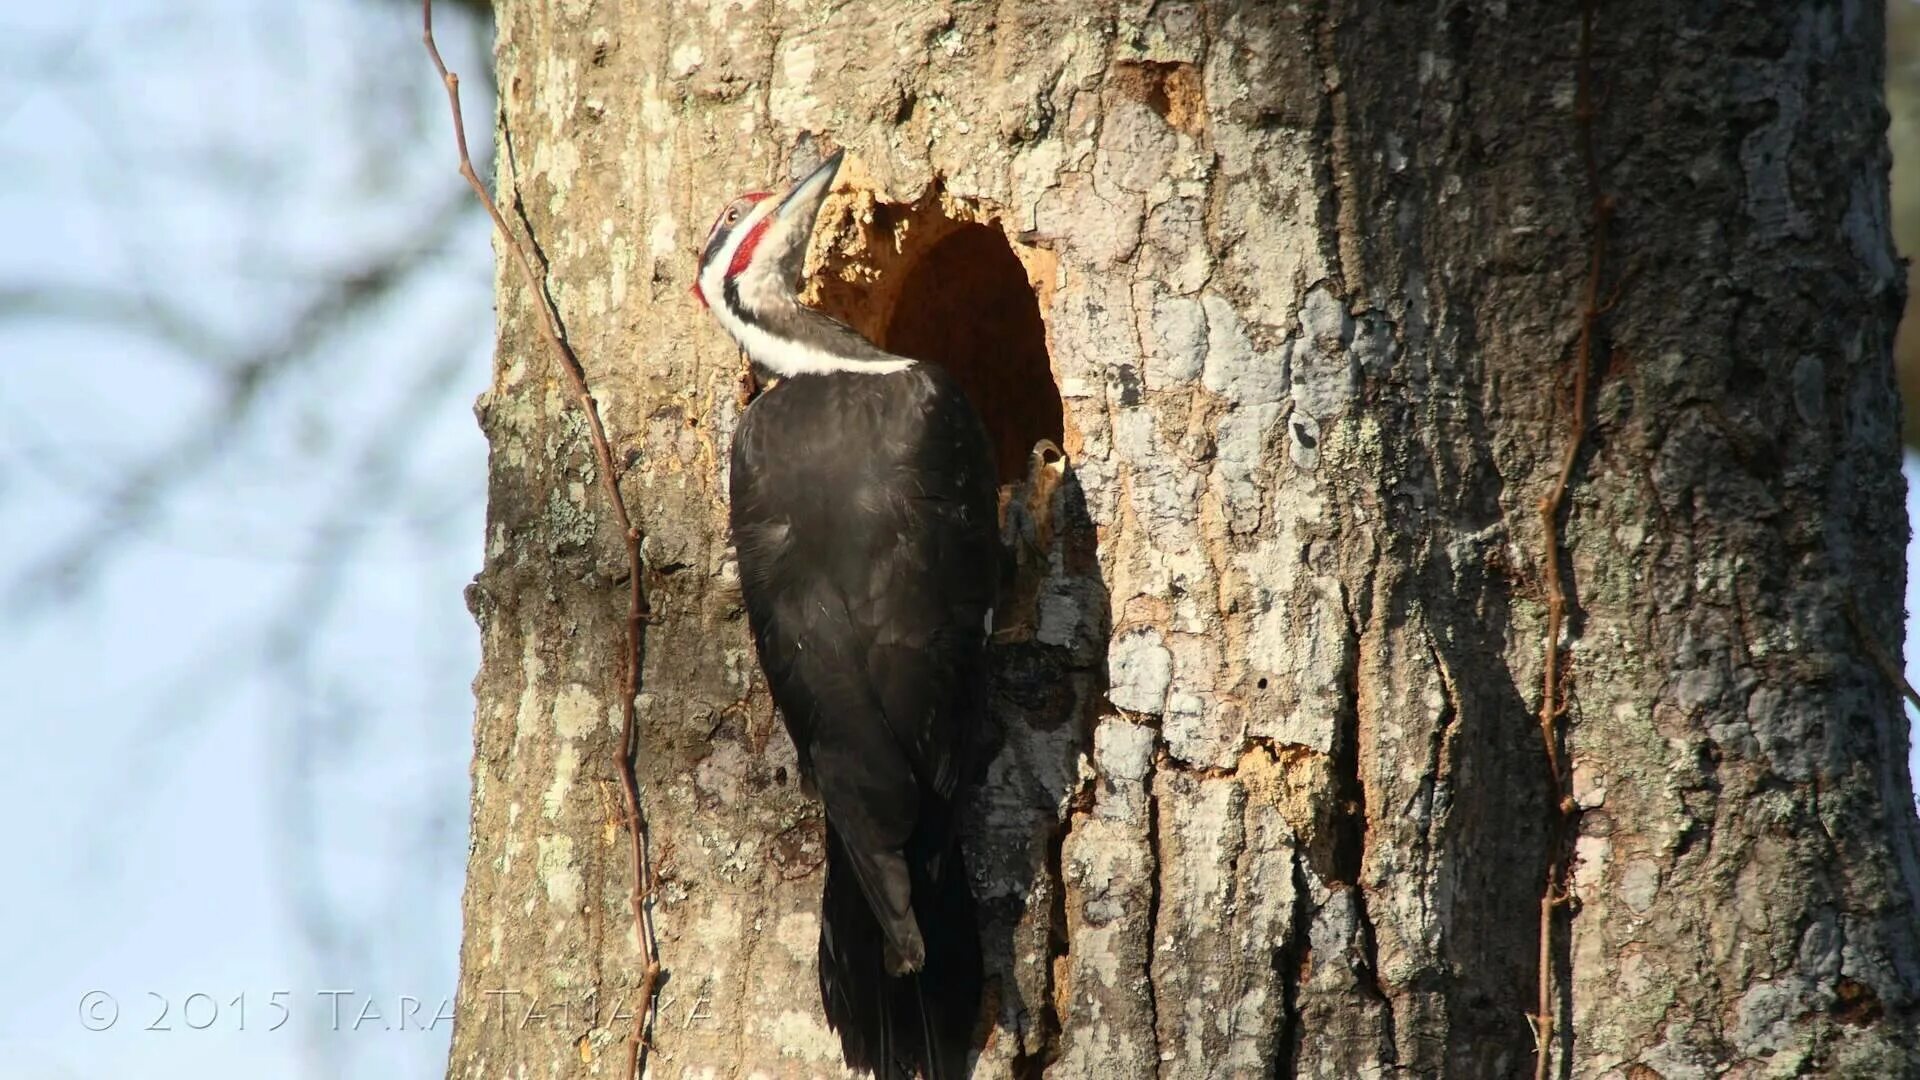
{"x":1300,"y":291}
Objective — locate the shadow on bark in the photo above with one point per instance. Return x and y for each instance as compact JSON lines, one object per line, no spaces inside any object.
{"x":1046,"y":690}
{"x":1489,"y":757}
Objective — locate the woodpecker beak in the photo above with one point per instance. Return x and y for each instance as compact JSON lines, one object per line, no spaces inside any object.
{"x":790,"y":226}
{"x":802,"y":204}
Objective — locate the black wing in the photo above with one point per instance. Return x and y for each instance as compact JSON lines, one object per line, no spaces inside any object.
{"x":863,"y":509}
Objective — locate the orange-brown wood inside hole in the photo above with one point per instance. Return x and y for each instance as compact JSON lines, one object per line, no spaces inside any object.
{"x":966,"y":305}
{"x":951,"y":290}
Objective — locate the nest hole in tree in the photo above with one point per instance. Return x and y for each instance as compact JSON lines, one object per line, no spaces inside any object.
{"x":934,"y":281}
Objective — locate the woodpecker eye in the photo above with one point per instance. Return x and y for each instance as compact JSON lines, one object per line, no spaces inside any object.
{"x":733,"y":215}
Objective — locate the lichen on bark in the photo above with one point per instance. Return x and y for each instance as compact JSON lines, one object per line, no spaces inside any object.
{"x":1266,"y":792}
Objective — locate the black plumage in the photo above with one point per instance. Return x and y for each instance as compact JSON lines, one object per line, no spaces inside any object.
{"x":864,"y":511}
{"x":866,"y":545}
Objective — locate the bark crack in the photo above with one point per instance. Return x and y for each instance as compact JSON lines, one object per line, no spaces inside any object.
{"x":1292,"y":961}
{"x":1040,"y":1047}
{"x":1327,"y":136}
{"x":741,"y":1008}
{"x":1154,"y":886}
{"x":1433,"y":781}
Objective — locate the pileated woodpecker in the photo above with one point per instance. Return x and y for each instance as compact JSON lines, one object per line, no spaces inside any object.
{"x":864,"y":512}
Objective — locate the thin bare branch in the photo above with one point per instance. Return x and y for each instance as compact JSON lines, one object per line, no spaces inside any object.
{"x":136,"y":498}
{"x":1881,"y":656}
{"x":640,"y":896}
{"x":1553,"y":700}
{"x":143,"y":315}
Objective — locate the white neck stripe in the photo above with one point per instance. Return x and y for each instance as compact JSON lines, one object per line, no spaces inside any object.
{"x":789,"y":358}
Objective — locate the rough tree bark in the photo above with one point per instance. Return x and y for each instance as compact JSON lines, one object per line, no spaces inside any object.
{"x":1297,"y":289}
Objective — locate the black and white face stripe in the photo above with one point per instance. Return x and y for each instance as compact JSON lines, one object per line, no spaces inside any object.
{"x":727,"y":224}
{"x":749,"y":274}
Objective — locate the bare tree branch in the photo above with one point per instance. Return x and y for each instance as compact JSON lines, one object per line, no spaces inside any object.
{"x":138,"y":314}
{"x":132,"y":503}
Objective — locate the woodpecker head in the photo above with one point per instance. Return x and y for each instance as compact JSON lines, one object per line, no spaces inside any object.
{"x":757,"y":246}
{"x":750,"y":275}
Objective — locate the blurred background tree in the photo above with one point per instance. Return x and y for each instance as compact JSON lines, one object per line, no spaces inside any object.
{"x":245,"y":306}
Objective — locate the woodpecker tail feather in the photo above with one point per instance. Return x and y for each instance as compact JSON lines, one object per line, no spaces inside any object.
{"x":901,"y":1025}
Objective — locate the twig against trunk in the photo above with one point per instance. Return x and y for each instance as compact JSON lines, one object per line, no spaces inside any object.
{"x":1882,"y":658}
{"x":641,"y":895}
{"x":1553,"y":701}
